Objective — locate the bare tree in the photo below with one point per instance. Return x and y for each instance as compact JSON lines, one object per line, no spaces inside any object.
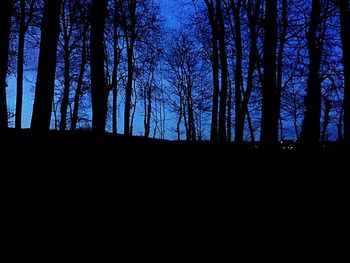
{"x":25,"y":17}
{"x":269,"y":125}
{"x":345,"y":34}
{"x":6,"y":8}
{"x":311,"y":125}
{"x":45,"y":83}
{"x":98,"y":83}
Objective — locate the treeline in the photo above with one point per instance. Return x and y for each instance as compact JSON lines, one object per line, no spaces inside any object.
{"x":234,"y":70}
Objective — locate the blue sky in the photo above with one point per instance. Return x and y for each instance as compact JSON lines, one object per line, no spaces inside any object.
{"x":170,"y":11}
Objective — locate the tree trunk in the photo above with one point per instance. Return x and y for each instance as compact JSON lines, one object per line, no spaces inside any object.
{"x":215,"y":69}
{"x":148,"y":112}
{"x":280,"y":59}
{"x":295,"y":116}
{"x":45,"y":83}
{"x":224,"y":74}
{"x":251,"y":128}
{"x":269,"y":124}
{"x":130,"y":53}
{"x":115,"y":71}
{"x":78,"y":91}
{"x":20,"y":64}
{"x":191,"y":122}
{"x":66,"y":91}
{"x":6,"y":8}
{"x":133,"y":114}
{"x":229,"y":114}
{"x":253,"y":16}
{"x":312,"y":121}
{"x":98,"y":85}
{"x":239,"y":127}
{"x":178,"y":124}
{"x":327,"y":110}
{"x":340,"y":125}
{"x":345,"y":34}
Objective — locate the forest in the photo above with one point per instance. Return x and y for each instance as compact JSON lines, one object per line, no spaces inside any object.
{"x":226,"y":71}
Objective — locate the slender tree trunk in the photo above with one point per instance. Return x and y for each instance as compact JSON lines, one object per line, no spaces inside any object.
{"x":216,"y":91}
{"x":149,"y":112}
{"x":229,"y":114}
{"x":269,"y":124}
{"x":327,"y":110}
{"x":215,"y":69}
{"x":66,"y":91}
{"x":281,"y":129}
{"x":251,"y":128}
{"x":67,"y":32}
{"x":6,"y":8}
{"x":340,"y":125}
{"x":128,"y":93}
{"x":133,"y":107}
{"x":280,"y":59}
{"x":115,"y":110}
{"x":295,"y":117}
{"x":178,"y":124}
{"x":45,"y":83}
{"x":20,"y":64}
{"x":130,"y":50}
{"x":224,"y":74}
{"x":311,"y":127}
{"x":54,"y":109}
{"x":191,"y":122}
{"x":345,"y":33}
{"x":98,"y":85}
{"x":19,"y":95}
{"x":115,"y":71}
{"x":239,"y":127}
{"x":78,"y":91}
{"x":253,"y":16}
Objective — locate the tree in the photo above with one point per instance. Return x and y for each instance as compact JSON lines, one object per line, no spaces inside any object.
{"x":116,"y":62}
{"x":252,"y":9}
{"x":345,"y":35}
{"x":215,"y":69}
{"x":25,"y":17}
{"x":98,"y":84}
{"x":312,"y":121}
{"x":185,"y":71}
{"x":224,"y":73}
{"x":70,"y":38}
{"x":6,"y":8}
{"x":219,"y":60}
{"x":45,"y":83}
{"x":84,"y":35}
{"x":237,"y":31}
{"x":128,"y":10}
{"x":280,"y":60}
{"x":269,"y":124}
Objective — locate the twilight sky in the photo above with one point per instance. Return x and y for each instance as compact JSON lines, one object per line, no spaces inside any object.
{"x":171,"y":11}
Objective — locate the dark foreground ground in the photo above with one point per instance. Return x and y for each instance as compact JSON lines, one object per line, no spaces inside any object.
{"x":200,"y":194}
{"x":285,"y":175}
{"x":87,"y":139}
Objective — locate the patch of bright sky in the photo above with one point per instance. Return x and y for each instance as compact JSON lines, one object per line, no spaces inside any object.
{"x":169,"y":9}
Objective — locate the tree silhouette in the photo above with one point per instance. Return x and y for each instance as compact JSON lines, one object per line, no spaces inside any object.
{"x":6,"y":8}
{"x":278,"y":68}
{"x":345,"y":34}
{"x":98,"y":84}
{"x":269,"y":125}
{"x":45,"y":83}
{"x":26,"y":15}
